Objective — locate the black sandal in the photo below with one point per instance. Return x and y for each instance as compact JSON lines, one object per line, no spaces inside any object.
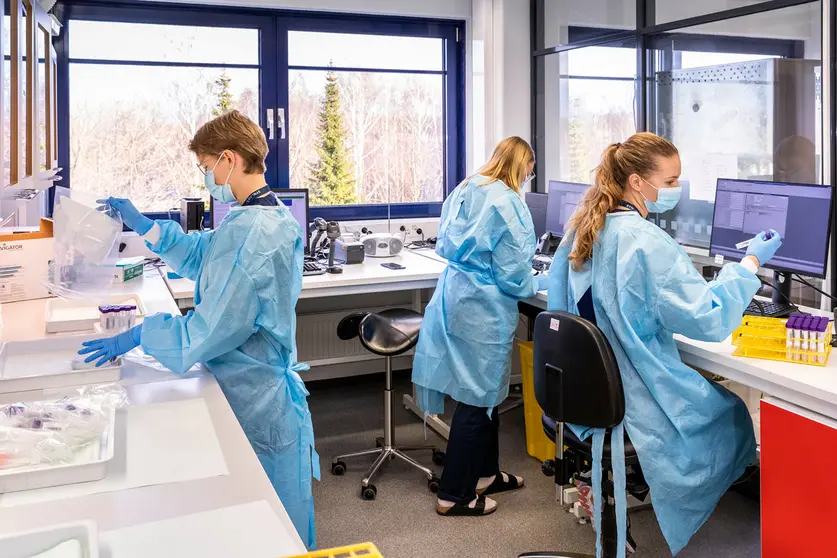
{"x":463,"y":510}
{"x":500,"y":485}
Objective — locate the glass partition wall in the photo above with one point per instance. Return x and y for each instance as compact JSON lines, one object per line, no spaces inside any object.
{"x":736,"y":86}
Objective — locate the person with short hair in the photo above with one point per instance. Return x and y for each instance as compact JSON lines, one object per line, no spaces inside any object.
{"x":248,"y":275}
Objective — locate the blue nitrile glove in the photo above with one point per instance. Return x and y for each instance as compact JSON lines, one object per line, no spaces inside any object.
{"x":109,"y":348}
{"x":764,"y":246}
{"x":131,"y":216}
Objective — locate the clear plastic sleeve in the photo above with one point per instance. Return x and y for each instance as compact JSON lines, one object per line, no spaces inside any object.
{"x":54,"y":432}
{"x":86,"y":246}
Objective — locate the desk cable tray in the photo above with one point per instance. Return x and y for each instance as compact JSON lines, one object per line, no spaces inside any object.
{"x":767,"y":338}
{"x":365,"y":550}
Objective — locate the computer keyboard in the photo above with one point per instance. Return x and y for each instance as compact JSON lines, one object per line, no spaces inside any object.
{"x":769,"y":309}
{"x":541,"y":263}
{"x":312,"y":268}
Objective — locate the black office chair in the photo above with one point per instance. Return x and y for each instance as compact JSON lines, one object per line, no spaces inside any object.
{"x":577,"y":380}
{"x":388,"y":333}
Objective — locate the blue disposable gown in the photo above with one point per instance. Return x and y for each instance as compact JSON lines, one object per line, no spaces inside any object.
{"x":693,"y":437}
{"x":465,"y":345}
{"x":248,"y":275}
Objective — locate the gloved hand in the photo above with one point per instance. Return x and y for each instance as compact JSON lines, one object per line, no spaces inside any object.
{"x":109,"y":348}
{"x":543,"y":281}
{"x":131,"y":216}
{"x":763,"y":248}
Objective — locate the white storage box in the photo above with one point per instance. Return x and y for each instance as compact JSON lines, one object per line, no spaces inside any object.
{"x":88,"y":465}
{"x":46,"y":364}
{"x":31,"y":543}
{"x":75,"y":315}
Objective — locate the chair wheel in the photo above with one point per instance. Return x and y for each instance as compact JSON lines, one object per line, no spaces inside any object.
{"x":369,"y":492}
{"x":439,"y":457}
{"x":338,"y":469}
{"x":548,"y":468}
{"x":433,"y":485}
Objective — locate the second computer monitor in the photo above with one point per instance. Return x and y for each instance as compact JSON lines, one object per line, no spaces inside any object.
{"x":801,"y":213}
{"x":564,"y":197}
{"x":295,"y":199}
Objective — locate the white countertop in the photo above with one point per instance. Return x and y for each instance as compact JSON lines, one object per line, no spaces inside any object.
{"x":422,"y":272}
{"x":245,"y":483}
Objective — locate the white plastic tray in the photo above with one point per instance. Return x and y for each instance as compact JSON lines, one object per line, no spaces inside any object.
{"x":26,"y":544}
{"x":46,"y":363}
{"x":75,"y":315}
{"x":89,"y":465}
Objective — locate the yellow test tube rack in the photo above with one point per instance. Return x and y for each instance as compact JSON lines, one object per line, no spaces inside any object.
{"x":768,"y":338}
{"x":364,"y":550}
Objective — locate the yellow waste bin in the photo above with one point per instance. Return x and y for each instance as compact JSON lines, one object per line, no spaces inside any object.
{"x":538,"y":445}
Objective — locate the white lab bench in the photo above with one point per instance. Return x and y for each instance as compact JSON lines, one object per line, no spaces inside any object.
{"x":245,"y":482}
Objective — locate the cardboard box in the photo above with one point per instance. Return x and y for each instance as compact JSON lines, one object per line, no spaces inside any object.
{"x":24,"y":262}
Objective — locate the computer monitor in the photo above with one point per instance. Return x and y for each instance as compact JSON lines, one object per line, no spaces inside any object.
{"x":690,"y":222}
{"x":564,"y":197}
{"x":800,"y":212}
{"x":295,"y":199}
{"x":537,"y":203}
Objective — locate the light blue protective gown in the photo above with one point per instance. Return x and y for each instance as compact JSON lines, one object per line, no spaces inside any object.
{"x":248,"y":275}
{"x":465,"y":345}
{"x":693,"y":437}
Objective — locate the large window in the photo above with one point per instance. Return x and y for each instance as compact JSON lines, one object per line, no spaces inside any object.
{"x":135,"y":105}
{"x":363,"y":111}
{"x":367,"y":118}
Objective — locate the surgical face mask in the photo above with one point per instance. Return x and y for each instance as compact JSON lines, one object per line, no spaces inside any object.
{"x":667,"y":198}
{"x":221,"y":192}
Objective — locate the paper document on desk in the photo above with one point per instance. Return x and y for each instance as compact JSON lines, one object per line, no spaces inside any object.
{"x":252,"y":530}
{"x":157,"y":444}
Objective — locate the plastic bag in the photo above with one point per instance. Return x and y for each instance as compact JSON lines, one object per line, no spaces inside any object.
{"x":55,"y":432}
{"x":140,"y":357}
{"x":86,"y":247}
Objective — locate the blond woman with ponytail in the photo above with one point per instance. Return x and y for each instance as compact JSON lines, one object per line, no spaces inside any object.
{"x":620,"y":271}
{"x":465,"y":345}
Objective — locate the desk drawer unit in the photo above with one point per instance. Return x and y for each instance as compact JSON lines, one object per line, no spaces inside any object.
{"x":798,"y":482}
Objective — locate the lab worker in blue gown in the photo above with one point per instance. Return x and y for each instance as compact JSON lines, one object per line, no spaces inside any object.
{"x":248,"y":275}
{"x":465,"y":344}
{"x":694,"y":438}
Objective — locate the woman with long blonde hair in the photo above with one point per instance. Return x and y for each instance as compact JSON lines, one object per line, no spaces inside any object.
{"x":465,"y":346}
{"x":623,"y":273}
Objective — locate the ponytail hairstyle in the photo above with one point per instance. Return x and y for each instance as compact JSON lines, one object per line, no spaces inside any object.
{"x":508,"y":163}
{"x":637,"y":155}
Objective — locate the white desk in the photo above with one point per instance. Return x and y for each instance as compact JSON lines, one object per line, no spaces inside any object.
{"x":245,"y":483}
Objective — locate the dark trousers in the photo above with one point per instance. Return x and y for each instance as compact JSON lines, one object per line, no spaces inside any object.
{"x":473,"y":452}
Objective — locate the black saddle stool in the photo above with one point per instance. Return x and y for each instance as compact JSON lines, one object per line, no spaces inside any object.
{"x":387,"y":333}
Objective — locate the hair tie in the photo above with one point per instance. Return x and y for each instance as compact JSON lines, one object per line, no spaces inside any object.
{"x":618,"y":144}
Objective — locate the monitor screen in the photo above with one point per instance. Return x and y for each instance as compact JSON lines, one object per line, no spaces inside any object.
{"x":537,"y":207}
{"x":564,"y":197}
{"x":690,"y":222}
{"x":800,"y":212}
{"x":295,"y":199}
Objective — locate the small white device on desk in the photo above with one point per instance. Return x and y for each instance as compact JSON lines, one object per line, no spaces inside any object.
{"x":382,"y":245}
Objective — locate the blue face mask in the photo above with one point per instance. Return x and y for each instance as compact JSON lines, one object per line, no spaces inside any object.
{"x":221,"y":192}
{"x":667,"y":198}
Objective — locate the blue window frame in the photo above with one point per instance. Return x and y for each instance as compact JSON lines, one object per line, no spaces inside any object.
{"x":273,"y":69}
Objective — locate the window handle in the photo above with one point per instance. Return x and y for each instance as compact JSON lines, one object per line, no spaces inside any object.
{"x":270,"y":126}
{"x":280,"y":112}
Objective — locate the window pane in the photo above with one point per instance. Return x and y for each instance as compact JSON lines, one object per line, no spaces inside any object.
{"x":580,"y":116}
{"x":130,"y":127}
{"x":570,"y":21}
{"x":674,"y":10}
{"x":163,"y":43}
{"x":739,"y":115}
{"x":364,"y":51}
{"x":41,"y":97}
{"x":385,"y":130}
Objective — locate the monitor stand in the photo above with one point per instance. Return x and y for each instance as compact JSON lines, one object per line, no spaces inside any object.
{"x":781,"y":288}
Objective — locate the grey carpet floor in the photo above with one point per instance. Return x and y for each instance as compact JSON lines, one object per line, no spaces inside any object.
{"x":402,"y":521}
